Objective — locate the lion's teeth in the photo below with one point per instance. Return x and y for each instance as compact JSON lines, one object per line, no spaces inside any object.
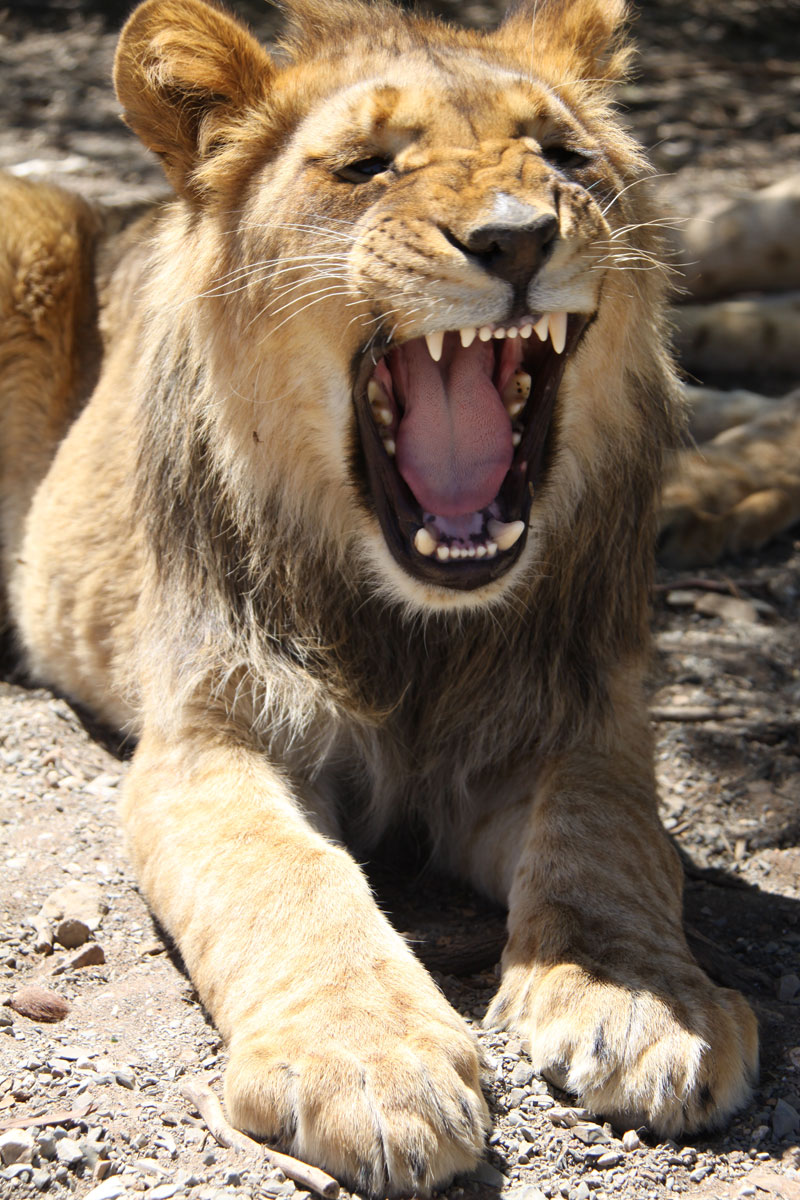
{"x":389,"y":446}
{"x":512,"y":331}
{"x":424,"y":543}
{"x":516,"y":438}
{"x":467,"y":335}
{"x":480,"y":550}
{"x":435,"y":342}
{"x":491,"y":549}
{"x":485,"y":333}
{"x":525,"y":330}
{"x":374,"y":392}
{"x":542,"y":327}
{"x":499,"y":332}
{"x":558,"y":331}
{"x":505,"y":534}
{"x":443,"y":553}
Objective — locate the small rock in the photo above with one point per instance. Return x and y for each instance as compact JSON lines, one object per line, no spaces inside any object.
{"x":232,"y":1179}
{"x":109,"y":1189}
{"x":590,"y":1134}
{"x":522,"y":1074}
{"x":515,"y":1097}
{"x":788,"y":987}
{"x":6,"y":1019}
{"x":582,"y":1192}
{"x":729,"y":608}
{"x":69,"y":1152}
{"x":125,"y":1078}
{"x":46,"y":1145}
{"x":16,"y":1146}
{"x":699,"y":1174}
{"x":567,"y":1116}
{"x":72,"y":932}
{"x":163,"y":1191}
{"x":39,"y":1004}
{"x":631,"y":1141}
{"x":785,"y":1120}
{"x":209,"y":1158}
{"x":41,"y":1179}
{"x":611,"y":1159}
{"x":525,"y":1193}
{"x":91,"y":955}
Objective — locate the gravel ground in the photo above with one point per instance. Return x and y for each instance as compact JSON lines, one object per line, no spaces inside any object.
{"x":716,"y":102}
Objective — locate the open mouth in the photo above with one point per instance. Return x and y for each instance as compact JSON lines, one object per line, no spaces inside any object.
{"x":454,"y":428}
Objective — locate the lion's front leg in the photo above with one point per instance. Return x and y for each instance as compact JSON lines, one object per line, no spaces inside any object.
{"x":341,"y":1047}
{"x":596,"y":972}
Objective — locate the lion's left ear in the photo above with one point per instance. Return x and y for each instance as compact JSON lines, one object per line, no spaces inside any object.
{"x":185,"y":73}
{"x":576,"y":39}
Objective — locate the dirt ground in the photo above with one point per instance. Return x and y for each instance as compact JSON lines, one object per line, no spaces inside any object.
{"x":716,"y":103}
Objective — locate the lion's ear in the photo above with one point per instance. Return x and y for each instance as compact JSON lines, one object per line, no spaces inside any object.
{"x":185,"y":73}
{"x":573,"y":38}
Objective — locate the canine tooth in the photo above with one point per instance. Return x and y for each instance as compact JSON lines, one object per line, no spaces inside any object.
{"x":525,"y":330}
{"x":542,"y":327}
{"x":424,"y":543}
{"x":443,"y":553}
{"x":389,"y":446}
{"x":505,"y":534}
{"x":499,"y":332}
{"x":516,"y":438}
{"x":435,"y":342}
{"x":512,"y":331}
{"x":485,"y":333}
{"x":558,"y":331}
{"x":467,"y":335}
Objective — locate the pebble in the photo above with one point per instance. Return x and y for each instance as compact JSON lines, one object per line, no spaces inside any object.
{"x":788,"y":987}
{"x":567,"y":1116}
{"x":525,"y":1193}
{"x":581,"y":1192}
{"x":699,"y":1174}
{"x":16,"y":1146}
{"x":163,"y":1191}
{"x":611,"y":1159}
{"x":522,"y":1074}
{"x":631,"y":1141}
{"x":72,"y":932}
{"x":125,"y":1078}
{"x":68,"y":1152}
{"x":785,"y":1120}
{"x":41,"y":1179}
{"x":590,"y":1134}
{"x":109,"y":1189}
{"x":46,"y":1144}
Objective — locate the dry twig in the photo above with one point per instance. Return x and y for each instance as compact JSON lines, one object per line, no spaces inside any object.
{"x":62,"y":1116}
{"x":201,"y":1096}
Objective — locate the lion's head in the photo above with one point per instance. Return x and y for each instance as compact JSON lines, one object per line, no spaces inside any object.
{"x":414,"y":264}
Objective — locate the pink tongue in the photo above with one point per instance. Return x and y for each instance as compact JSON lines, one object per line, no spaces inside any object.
{"x":454,"y":440}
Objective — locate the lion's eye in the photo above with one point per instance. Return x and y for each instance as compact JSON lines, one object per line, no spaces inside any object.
{"x":566,"y":158}
{"x":365,"y":169}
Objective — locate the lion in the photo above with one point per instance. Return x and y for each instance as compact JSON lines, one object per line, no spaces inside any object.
{"x":346,"y":512}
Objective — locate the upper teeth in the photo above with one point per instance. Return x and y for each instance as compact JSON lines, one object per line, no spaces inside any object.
{"x":552,"y":324}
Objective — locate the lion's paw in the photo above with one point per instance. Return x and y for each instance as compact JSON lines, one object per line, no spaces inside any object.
{"x":388,"y":1115}
{"x":676,"y":1059}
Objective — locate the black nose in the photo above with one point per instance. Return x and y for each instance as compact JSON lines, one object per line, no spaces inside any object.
{"x":513,"y":250}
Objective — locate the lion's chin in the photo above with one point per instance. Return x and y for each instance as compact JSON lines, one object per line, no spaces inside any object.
{"x":455,"y":434}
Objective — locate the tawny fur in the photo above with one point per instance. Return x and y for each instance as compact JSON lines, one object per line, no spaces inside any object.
{"x":201,"y":565}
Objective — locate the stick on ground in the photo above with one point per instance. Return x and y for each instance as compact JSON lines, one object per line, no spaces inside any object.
{"x":201,"y":1096}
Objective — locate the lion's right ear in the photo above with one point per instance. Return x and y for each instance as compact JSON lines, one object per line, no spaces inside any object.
{"x":185,"y":74}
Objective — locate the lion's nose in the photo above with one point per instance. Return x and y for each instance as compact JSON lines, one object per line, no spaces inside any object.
{"x":513,"y":247}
